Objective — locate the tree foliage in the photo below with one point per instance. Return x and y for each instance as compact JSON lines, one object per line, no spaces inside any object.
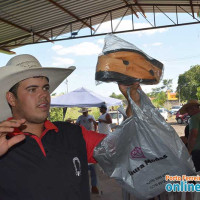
{"x":159,"y":99}
{"x":117,"y":96}
{"x":158,"y":95}
{"x":56,"y":114}
{"x":198,"y":92}
{"x":188,"y":83}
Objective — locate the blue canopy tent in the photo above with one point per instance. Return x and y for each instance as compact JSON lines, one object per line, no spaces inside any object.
{"x":83,"y":97}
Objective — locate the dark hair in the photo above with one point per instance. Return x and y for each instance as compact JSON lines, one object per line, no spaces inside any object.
{"x":14,"y":88}
{"x":103,"y":106}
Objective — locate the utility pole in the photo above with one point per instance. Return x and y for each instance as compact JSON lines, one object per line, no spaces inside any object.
{"x":66,"y":82}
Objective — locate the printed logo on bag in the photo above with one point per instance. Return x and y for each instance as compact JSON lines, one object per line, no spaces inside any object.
{"x":147,"y":162}
{"x":77,"y":166}
{"x":137,"y":153}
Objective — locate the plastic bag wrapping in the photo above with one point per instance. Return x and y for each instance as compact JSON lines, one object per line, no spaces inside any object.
{"x":142,"y":150}
{"x":123,"y":62}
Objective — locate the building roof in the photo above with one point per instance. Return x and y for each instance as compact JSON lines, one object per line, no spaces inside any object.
{"x":34,"y":21}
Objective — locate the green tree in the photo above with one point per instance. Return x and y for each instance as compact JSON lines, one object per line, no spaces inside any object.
{"x":159,"y":95}
{"x":167,"y":84}
{"x":188,"y":83}
{"x":160,"y":99}
{"x":117,"y":96}
{"x":198,"y":92}
{"x":56,"y":114}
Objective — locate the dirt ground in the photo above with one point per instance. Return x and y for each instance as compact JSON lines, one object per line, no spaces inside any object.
{"x":179,"y":128}
{"x":109,"y":188}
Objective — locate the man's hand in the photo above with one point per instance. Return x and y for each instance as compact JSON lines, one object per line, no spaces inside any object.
{"x":90,"y":120}
{"x":100,"y":120}
{"x":7,"y":127}
{"x":133,"y":93}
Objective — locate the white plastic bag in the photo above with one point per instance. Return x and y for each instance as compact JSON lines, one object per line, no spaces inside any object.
{"x":142,"y":150}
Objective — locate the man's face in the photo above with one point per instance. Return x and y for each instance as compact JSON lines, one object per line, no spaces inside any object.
{"x":102,"y":110}
{"x":33,"y":100}
{"x":85,"y":113}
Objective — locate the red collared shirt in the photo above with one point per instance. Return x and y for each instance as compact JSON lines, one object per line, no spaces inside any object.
{"x":91,"y":138}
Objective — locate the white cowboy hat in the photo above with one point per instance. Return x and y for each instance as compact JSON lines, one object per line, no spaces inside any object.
{"x":192,"y":102}
{"x":82,"y":110}
{"x":22,"y":67}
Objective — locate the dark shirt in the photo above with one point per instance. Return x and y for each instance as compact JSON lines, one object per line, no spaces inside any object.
{"x":51,"y":167}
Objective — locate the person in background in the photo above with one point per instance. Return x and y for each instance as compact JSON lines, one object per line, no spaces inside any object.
{"x":192,"y":108}
{"x":104,"y":120}
{"x":86,"y":120}
{"x":90,"y":124}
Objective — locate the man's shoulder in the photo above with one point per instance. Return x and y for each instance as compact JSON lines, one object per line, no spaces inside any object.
{"x":196,"y":116}
{"x":66,"y":125}
{"x":107,"y":113}
{"x":81,"y":116}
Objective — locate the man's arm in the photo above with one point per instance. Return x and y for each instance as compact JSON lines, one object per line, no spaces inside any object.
{"x":95,"y":123}
{"x":108,"y":119}
{"x":92,"y":139}
{"x":7,"y":127}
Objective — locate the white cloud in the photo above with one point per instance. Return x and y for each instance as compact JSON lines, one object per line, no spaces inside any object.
{"x":84,"y":48}
{"x":152,"y":44}
{"x":57,"y":47}
{"x":100,"y":41}
{"x":62,"y":62}
{"x":157,"y":44}
{"x":127,"y":25}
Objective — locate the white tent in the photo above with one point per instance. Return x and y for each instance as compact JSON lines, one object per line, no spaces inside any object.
{"x":83,"y":97}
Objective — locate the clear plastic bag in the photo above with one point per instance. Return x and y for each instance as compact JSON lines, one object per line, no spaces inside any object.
{"x":123,"y":62}
{"x":142,"y":150}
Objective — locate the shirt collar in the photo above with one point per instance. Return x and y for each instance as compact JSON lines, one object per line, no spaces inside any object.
{"x":47,"y":124}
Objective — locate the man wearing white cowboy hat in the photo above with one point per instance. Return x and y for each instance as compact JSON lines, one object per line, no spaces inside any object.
{"x":87,"y":120}
{"x":192,"y":108}
{"x":40,"y":160}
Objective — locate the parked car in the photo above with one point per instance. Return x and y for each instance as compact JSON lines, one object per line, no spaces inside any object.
{"x":175,"y":109}
{"x":182,"y":118}
{"x":164,"y":113}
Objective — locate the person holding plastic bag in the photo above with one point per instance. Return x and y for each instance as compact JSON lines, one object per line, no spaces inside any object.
{"x":34,"y":152}
{"x":143,"y":150}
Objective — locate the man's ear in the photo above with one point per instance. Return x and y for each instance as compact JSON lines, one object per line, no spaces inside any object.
{"x":11,"y":99}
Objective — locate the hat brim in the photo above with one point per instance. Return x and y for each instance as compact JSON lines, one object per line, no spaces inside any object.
{"x":55,"y":75}
{"x":184,"y":107}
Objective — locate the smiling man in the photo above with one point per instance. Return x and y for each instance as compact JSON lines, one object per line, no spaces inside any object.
{"x":40,"y":160}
